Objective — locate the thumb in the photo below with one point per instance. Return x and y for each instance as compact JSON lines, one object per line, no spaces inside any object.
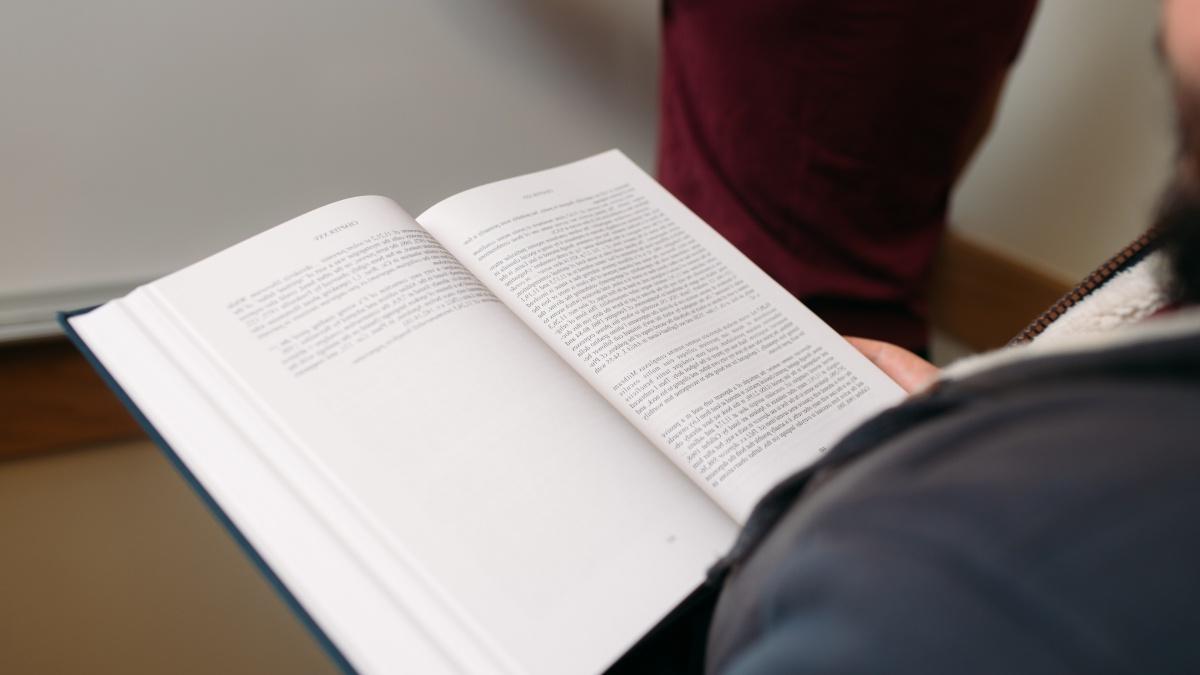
{"x":906,"y":369}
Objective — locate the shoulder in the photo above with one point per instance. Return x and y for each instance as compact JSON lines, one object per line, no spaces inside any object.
{"x":1041,"y":521}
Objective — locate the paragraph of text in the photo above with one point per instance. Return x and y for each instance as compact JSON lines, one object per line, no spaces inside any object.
{"x":722,"y":434}
{"x":607,"y":273}
{"x":369,"y":295}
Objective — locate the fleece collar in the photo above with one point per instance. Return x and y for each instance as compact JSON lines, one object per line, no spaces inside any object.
{"x":1118,"y":314}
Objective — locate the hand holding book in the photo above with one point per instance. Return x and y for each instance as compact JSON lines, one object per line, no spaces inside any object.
{"x":520,"y":425}
{"x":911,"y":372}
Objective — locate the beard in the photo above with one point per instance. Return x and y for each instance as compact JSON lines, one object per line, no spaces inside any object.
{"x":1179,"y":214}
{"x":1179,"y":221}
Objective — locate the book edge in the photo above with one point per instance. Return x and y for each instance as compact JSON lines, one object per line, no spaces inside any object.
{"x":289,"y":599}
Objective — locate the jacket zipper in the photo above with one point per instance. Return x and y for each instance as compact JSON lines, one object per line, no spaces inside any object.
{"x":1125,"y":258}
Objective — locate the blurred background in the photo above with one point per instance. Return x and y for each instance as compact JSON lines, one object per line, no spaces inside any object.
{"x":138,"y":136}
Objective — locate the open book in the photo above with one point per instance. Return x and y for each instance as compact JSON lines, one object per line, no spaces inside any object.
{"x":508,"y":435}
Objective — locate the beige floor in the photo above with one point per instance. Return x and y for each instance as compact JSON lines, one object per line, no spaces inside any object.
{"x":110,"y":564}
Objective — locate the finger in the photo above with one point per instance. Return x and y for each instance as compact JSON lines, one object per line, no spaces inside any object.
{"x":905,"y":368}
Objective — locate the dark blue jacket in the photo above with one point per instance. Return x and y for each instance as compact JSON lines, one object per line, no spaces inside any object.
{"x":1040,"y":517}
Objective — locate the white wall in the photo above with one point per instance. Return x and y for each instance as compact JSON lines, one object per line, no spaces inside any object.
{"x":1083,"y":142}
{"x":137,"y":136}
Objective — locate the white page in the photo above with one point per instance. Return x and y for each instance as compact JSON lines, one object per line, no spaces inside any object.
{"x":730,"y":376}
{"x":225,"y":453}
{"x":453,"y":431}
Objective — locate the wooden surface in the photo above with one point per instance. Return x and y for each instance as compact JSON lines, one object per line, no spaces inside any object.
{"x":112,"y":566}
{"x":983,"y":298}
{"x":51,"y":399}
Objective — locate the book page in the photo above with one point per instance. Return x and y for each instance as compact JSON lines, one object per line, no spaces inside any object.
{"x":545,"y":521}
{"x":729,"y":375}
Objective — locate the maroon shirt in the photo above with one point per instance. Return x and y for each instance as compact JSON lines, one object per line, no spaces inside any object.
{"x":822,"y":137}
